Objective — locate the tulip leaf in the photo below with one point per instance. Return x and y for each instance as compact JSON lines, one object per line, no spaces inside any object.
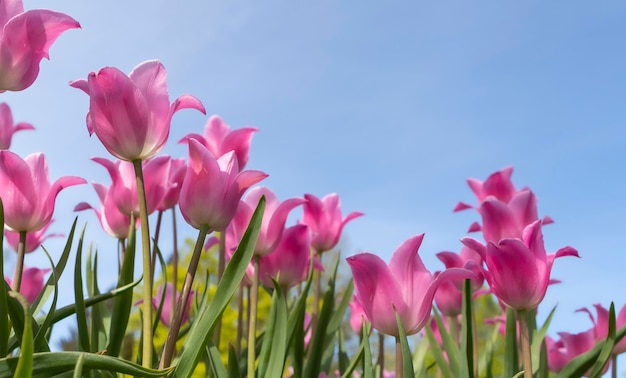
{"x":78,"y":368}
{"x":449,"y":345}
{"x":215,"y":361}
{"x":511,"y":362}
{"x":81,"y":313}
{"x":274,"y":347}
{"x":295,"y":326}
{"x":4,"y":314}
{"x":467,"y":332}
{"x":122,"y":304}
{"x":538,"y":337}
{"x":202,"y":328}
{"x":407,"y":360}
{"x":435,"y":348}
{"x":607,"y":347}
{"x":25,"y":362}
{"x":356,"y":358}
{"x":233,"y":362}
{"x":159,"y":310}
{"x":368,"y":367}
{"x":542,"y":371}
{"x":40,"y":341}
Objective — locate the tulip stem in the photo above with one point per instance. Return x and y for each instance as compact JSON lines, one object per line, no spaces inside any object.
{"x":221,"y":265}
{"x":381,"y":352}
{"x":254,"y":294}
{"x":614,"y":366}
{"x":522,"y":318}
{"x":19,"y":265}
{"x":177,"y":320}
{"x":399,"y":366}
{"x":157,"y":232}
{"x":147,"y":267}
{"x":174,"y":261}
{"x":240,"y":319}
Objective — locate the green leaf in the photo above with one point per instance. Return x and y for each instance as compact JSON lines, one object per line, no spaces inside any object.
{"x":511,"y":361}
{"x":295,"y":327}
{"x":407,"y":360}
{"x":41,"y":344}
{"x":449,"y":345}
{"x":607,"y":348}
{"x":274,"y":350}
{"x":368,"y":367}
{"x":78,"y":368}
{"x":202,"y":328}
{"x":467,"y":332}
{"x":81,"y":313}
{"x":538,"y":337}
{"x":233,"y":362}
{"x":435,"y":348}
{"x":25,"y":363}
{"x":542,"y":371}
{"x":215,"y":361}
{"x":123,"y":303}
{"x":4,"y":314}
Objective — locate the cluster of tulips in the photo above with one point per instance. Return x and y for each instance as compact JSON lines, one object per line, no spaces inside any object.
{"x":302,"y":333}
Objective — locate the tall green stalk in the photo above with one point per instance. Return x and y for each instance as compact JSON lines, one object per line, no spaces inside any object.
{"x":147,"y":267}
{"x":253,"y":305}
{"x":19,"y":265}
{"x":527,"y":360}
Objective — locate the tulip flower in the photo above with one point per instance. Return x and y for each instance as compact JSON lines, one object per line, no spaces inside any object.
{"x":212,"y":187}
{"x":357,"y":315}
{"x":601,"y":325}
{"x":32,"y":283}
{"x":324,"y":219}
{"x":176,"y":174}
{"x":568,"y":347}
{"x":33,"y":239}
{"x":518,"y":270}
{"x":7,"y":128}
{"x":112,"y":220}
{"x":25,"y":39}
{"x":405,"y":286}
{"x":219,"y":139}
{"x":289,"y":263}
{"x":498,"y":184}
{"x":166,"y":310}
{"x":26,"y":192}
{"x":131,"y":114}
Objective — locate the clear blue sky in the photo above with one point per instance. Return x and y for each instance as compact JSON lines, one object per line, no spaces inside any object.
{"x":391,"y":104}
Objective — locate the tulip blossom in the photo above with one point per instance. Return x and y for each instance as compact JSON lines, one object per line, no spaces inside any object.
{"x":568,"y":347}
{"x":272,"y":225}
{"x":8,"y":128}
{"x":33,"y":239}
{"x":219,"y":139}
{"x":176,"y":174}
{"x":357,"y":315}
{"x":518,"y":269}
{"x":112,"y":220}
{"x":289,"y":263}
{"x":131,"y":114}
{"x":324,"y":219}
{"x":166,"y":310}
{"x":26,"y":192}
{"x":601,"y":325}
{"x":25,"y":39}
{"x":212,"y":187}
{"x":32,"y":283}
{"x":498,"y":184}
{"x":405,"y":286}
{"x":124,"y":184}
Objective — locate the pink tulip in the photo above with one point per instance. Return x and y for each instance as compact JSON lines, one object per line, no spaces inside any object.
{"x":25,"y":39}
{"x":219,"y":139}
{"x":26,"y":192}
{"x":131,"y":114}
{"x":405,"y":285}
{"x":324,"y":219}
{"x":601,"y":325}
{"x":212,"y":187}
{"x":7,"y":128}
{"x":357,"y":315}
{"x":468,"y":259}
{"x":289,"y":263}
{"x":124,"y":184}
{"x":166,"y":311}
{"x":176,"y":174}
{"x":568,"y":347}
{"x":518,"y":270}
{"x":498,"y":184}
{"x":273,"y":223}
{"x":33,"y":239}
{"x":112,"y":220}
{"x":32,"y":283}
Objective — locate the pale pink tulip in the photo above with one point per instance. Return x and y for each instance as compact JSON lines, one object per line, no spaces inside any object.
{"x":568,"y":347}
{"x":175,"y":177}
{"x":357,"y":315}
{"x":518,"y":269}
{"x":405,"y":285}
{"x":25,"y":39}
{"x":32,"y":283}
{"x":212,"y":188}
{"x":601,"y":325}
{"x":8,"y":128}
{"x":324,"y":219}
{"x":26,"y":192}
{"x":112,"y":220}
{"x":166,"y":310}
{"x":290,"y":261}
{"x":131,"y":114}
{"x":219,"y":139}
{"x":33,"y":239}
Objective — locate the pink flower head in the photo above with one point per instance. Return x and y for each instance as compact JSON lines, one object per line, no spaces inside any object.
{"x":33,"y":239}
{"x":289,"y":262}
{"x":498,"y":184}
{"x":518,"y":270}
{"x":468,"y":259}
{"x":324,"y":219}
{"x":25,"y":39}
{"x":405,"y":285}
{"x":166,"y":311}
{"x":26,"y":192}
{"x":219,"y":139}
{"x":601,"y":325}
{"x":32,"y":283}
{"x":131,"y":114}
{"x":112,"y":220}
{"x":357,"y":315}
{"x":212,"y":187}
{"x":176,"y":174}
{"x":568,"y":347}
{"x":124,"y":184}
{"x":273,"y":223}
{"x":7,"y":128}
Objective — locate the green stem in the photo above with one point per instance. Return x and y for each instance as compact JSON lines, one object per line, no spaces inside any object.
{"x":147,"y":267}
{"x":381,"y":352}
{"x":522,"y":318}
{"x":614,"y":366}
{"x":19,"y":265}
{"x":240,"y":319}
{"x":157,"y":232}
{"x":254,"y":294}
{"x":174,"y":261}
{"x":221,"y":265}
{"x":316,"y":293}
{"x":399,"y":366}
{"x":172,"y":336}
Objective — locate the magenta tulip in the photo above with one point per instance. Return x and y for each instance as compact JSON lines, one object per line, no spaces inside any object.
{"x":26,"y":192}
{"x":131,"y":114}
{"x":212,"y":188}
{"x":32,"y":283}
{"x":166,"y":310}
{"x":518,"y":269}
{"x":289,"y":263}
{"x":8,"y":128}
{"x":112,"y":220}
{"x":601,"y":325}
{"x":25,"y":39}
{"x":324,"y":219}
{"x":175,"y":177}
{"x":498,"y":185}
{"x":357,"y":315}
{"x":33,"y":239}
{"x":568,"y":347}
{"x":405,"y":285}
{"x":219,"y":139}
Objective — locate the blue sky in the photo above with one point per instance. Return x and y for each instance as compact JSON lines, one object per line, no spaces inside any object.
{"x":390,"y":104}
